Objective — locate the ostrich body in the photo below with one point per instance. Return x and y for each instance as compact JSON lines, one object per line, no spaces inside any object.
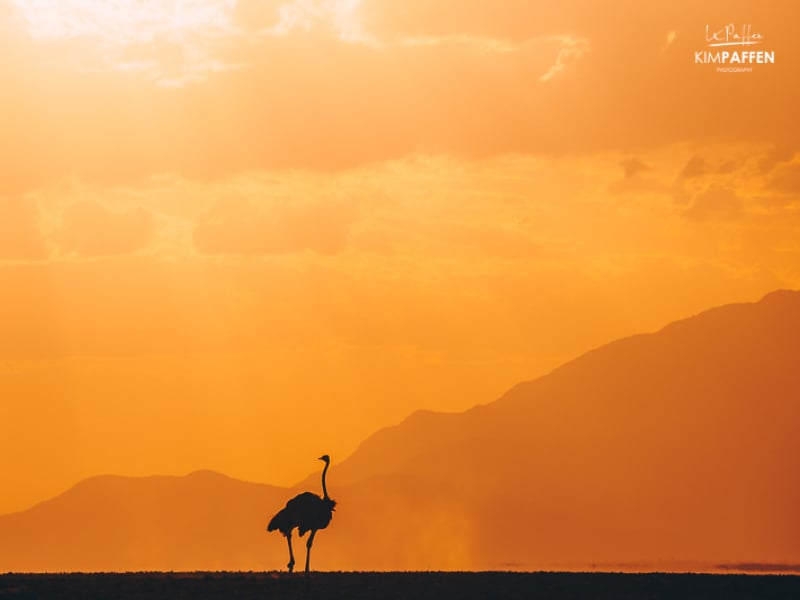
{"x":306,"y":512}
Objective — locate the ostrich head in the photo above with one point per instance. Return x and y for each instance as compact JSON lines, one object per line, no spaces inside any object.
{"x":325,"y":458}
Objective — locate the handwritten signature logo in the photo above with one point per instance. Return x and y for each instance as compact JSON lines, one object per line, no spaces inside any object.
{"x":730,"y":36}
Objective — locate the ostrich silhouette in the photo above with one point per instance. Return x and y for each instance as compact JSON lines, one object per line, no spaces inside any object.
{"x":307,"y":512}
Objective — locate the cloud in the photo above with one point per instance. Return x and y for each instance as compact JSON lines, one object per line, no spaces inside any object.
{"x":786,"y":178}
{"x":695,"y":167}
{"x":639,"y":179}
{"x":340,"y":17}
{"x":422,"y":253}
{"x":235,"y":225}
{"x":633,"y":166}
{"x":20,"y":234}
{"x":716,"y":204}
{"x":284,"y":107}
{"x":779,"y":153}
{"x":507,"y":19}
{"x":107,"y":36}
{"x":571,"y":50}
{"x":257,"y":15}
{"x":89,"y":229}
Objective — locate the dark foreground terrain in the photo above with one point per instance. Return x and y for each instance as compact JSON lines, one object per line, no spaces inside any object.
{"x":416,"y":586}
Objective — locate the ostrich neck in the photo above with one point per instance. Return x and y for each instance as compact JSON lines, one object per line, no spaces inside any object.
{"x":324,"y":487}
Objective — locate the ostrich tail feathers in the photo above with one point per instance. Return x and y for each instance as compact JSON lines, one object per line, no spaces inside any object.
{"x":279,"y":521}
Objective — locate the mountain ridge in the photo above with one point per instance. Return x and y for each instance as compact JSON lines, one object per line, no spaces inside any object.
{"x":523,"y":389}
{"x":675,"y":443}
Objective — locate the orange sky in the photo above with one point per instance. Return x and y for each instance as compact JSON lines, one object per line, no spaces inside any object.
{"x":234,"y":234}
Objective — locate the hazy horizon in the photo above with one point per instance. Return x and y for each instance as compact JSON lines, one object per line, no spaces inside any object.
{"x":630,"y":457}
{"x":300,"y":479}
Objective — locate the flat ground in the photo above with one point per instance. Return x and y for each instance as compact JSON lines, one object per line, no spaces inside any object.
{"x":415,"y":586}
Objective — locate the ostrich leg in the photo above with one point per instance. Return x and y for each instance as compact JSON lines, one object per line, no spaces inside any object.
{"x":309,"y":543}
{"x":291,"y":554}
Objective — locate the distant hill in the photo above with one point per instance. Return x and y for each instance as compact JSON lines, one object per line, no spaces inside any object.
{"x":677,"y":449}
{"x":201,"y":521}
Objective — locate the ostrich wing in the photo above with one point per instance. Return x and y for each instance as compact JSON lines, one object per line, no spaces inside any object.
{"x":299,"y":512}
{"x":305,"y":511}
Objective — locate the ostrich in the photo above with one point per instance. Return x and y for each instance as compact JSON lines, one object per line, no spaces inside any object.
{"x":307,"y":512}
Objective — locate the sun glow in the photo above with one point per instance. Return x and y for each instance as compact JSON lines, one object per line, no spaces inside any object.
{"x":171,"y":40}
{"x":124,"y":21}
{"x":175,"y":41}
